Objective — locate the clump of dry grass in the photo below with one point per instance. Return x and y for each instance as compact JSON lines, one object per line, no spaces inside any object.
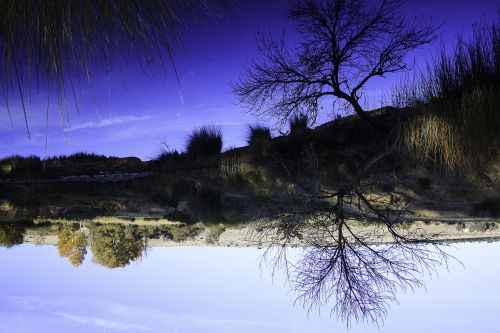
{"x":204,"y":142}
{"x":455,"y":105}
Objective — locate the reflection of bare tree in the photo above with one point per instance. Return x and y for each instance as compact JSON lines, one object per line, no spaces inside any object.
{"x":358,"y":249}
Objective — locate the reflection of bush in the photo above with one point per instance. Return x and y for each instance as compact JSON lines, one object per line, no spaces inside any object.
{"x":11,"y":235}
{"x":214,"y":233}
{"x":18,"y":202}
{"x":72,"y":244}
{"x":207,"y":204}
{"x":182,"y":233}
{"x":477,"y":226}
{"x":116,"y":245}
{"x":489,"y":208}
{"x":424,"y":183}
{"x":179,"y":216}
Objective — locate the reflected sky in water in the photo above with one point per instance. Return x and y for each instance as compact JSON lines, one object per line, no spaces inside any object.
{"x":216,"y":290}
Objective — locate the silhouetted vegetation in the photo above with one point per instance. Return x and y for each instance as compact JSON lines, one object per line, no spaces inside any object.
{"x":204,"y":142}
{"x":298,"y":124}
{"x":259,"y":142}
{"x":329,"y":57}
{"x":20,"y":167}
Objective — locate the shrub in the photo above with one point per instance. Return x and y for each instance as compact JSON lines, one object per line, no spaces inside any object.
{"x":487,"y":208}
{"x":169,"y":160}
{"x":115,"y":245}
{"x":259,"y":183}
{"x":179,"y":216}
{"x":258,"y":134}
{"x":182,"y":233}
{"x":482,"y":226}
{"x":259,"y":141}
{"x":424,"y":183}
{"x":11,"y":235}
{"x":81,"y":157}
{"x":204,"y":142}
{"x":214,"y":233}
{"x":207,"y":203}
{"x":298,"y":123}
{"x":182,"y":188}
{"x":21,"y":167}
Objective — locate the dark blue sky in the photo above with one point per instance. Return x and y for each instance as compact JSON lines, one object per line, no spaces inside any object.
{"x":131,"y":112}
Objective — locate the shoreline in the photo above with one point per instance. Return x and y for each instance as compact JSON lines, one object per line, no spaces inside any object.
{"x":244,"y":236}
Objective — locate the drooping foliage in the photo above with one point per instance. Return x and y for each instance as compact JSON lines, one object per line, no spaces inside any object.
{"x":57,"y":44}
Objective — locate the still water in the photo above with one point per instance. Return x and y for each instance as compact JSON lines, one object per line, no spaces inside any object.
{"x":217,"y":290}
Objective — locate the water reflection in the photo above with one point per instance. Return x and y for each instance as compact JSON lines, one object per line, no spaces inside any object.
{"x":113,"y":245}
{"x":116,"y":245}
{"x":165,"y":292}
{"x":350,"y":278}
{"x":72,"y":244}
{"x":11,"y":234}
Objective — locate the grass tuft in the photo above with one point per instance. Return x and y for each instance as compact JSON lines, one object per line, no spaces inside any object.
{"x":298,"y":123}
{"x":204,"y":142}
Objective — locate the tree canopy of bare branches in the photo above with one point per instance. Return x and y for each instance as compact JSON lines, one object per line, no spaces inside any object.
{"x":358,"y":247}
{"x":341,"y":45}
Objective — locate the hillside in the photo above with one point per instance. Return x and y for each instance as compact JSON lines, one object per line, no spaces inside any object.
{"x":243,"y":182}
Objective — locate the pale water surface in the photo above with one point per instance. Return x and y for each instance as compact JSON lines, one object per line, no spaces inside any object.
{"x":217,"y":290}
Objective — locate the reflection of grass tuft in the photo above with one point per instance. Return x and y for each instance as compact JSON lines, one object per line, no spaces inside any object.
{"x":424,"y":183}
{"x":487,"y":208}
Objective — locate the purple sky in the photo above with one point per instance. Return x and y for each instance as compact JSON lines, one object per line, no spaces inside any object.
{"x":131,"y":112}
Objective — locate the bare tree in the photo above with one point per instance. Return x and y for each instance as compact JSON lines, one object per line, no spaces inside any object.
{"x":341,"y":45}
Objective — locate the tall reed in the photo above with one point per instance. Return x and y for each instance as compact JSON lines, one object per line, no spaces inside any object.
{"x":455,"y":104}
